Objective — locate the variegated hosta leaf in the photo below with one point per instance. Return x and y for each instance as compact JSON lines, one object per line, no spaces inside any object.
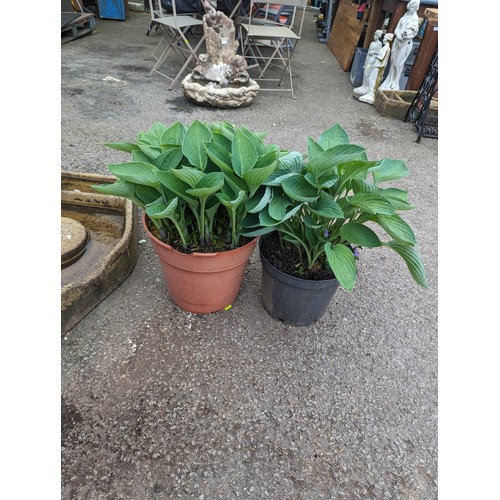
{"x":343,"y":264}
{"x":333,"y":137}
{"x":412,"y":260}
{"x":173,"y":135}
{"x":297,"y":188}
{"x":136,"y":172}
{"x":360,"y":235}
{"x":389,"y":170}
{"x":397,"y":228}
{"x":244,"y":154}
{"x":193,"y":147}
{"x":372,"y":202}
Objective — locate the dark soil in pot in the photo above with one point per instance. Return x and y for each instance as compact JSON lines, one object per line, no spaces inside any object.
{"x":289,"y":261}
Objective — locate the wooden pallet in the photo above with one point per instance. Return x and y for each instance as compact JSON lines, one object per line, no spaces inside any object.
{"x":83,"y":24}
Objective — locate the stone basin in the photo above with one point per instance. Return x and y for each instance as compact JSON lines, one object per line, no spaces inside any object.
{"x":98,"y":244}
{"x":211,"y":94}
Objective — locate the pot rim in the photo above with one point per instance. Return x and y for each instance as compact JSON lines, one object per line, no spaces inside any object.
{"x":289,"y":276}
{"x":195,"y":254}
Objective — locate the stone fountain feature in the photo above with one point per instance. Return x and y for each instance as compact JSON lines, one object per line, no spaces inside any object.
{"x":220,"y":79}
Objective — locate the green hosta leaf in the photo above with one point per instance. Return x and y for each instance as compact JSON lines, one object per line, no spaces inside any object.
{"x":327,"y":208}
{"x":136,"y":172}
{"x":128,"y":147}
{"x":150,"y":152}
{"x":363,"y":186}
{"x":244,"y":155}
{"x":292,"y":212}
{"x":299,"y":189}
{"x":278,"y":205}
{"x":255,"y":140}
{"x":277,"y":177}
{"x":227,"y":130}
{"x":193,"y":147}
{"x":265,"y":218}
{"x":292,"y":161}
{"x":268,"y":158}
{"x":147,"y":194}
{"x":118,"y":188}
{"x":175,"y":185}
{"x":228,"y":202}
{"x":145,"y":139}
{"x":397,"y":228}
{"x":255,"y":177}
{"x":157,"y":129}
{"x":169,"y":158}
{"x":343,"y":264}
{"x":395,"y":193}
{"x":311,"y":223}
{"x":412,"y":260}
{"x":162,"y":210}
{"x":257,"y":232}
{"x":333,"y":137}
{"x":372,"y":203}
{"x":220,"y":156}
{"x":140,"y":157}
{"x":313,"y":148}
{"x":360,"y":235}
{"x":389,"y":170}
{"x":259,"y":200}
{"x":173,"y":134}
{"x":189,"y":175}
{"x":327,"y":161}
{"x":398,"y":203}
{"x":326,"y":181}
{"x":354,"y":170}
{"x":208,"y":185}
{"x":221,"y":140}
{"x":250,"y":221}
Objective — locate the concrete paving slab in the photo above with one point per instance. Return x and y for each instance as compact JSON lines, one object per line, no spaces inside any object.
{"x":158,"y":403}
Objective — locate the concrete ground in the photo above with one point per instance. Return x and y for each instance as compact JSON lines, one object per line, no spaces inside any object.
{"x":158,"y":403}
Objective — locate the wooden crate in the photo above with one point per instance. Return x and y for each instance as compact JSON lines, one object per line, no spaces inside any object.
{"x":82,"y":25}
{"x":395,"y":103}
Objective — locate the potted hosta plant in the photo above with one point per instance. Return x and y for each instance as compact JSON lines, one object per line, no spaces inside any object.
{"x":317,"y":214}
{"x":194,"y":184}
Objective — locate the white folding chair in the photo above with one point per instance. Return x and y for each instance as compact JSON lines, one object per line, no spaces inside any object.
{"x":156,"y":11}
{"x":174,"y":29}
{"x":270,"y":38}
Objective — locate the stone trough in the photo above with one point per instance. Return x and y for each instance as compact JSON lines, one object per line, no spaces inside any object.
{"x":98,"y":244}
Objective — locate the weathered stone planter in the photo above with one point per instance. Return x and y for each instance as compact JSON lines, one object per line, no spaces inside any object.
{"x":211,"y":94}
{"x":395,"y":103}
{"x":98,"y":244}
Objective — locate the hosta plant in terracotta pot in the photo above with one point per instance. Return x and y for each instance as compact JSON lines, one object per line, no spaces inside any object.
{"x":317,"y":214}
{"x":195,"y":184}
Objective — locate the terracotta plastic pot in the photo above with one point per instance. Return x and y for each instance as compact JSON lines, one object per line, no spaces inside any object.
{"x":202,"y":282}
{"x":293,"y":300}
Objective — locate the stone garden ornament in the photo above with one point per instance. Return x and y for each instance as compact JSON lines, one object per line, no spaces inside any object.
{"x":220,"y":79}
{"x":406,"y":30}
{"x":377,"y":72}
{"x":371,"y":56}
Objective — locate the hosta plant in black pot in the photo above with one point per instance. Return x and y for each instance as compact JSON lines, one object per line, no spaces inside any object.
{"x":194,"y":184}
{"x":317,"y":213}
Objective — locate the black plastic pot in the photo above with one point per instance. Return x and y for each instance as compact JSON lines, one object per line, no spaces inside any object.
{"x":293,"y":300}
